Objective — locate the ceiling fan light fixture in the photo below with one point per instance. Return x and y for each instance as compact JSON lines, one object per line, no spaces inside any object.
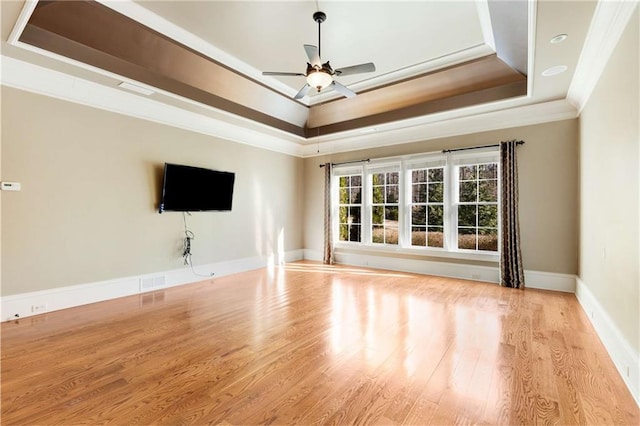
{"x":319,"y":79}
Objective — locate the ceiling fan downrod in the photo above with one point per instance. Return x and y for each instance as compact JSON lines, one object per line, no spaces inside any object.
{"x":319,"y":17}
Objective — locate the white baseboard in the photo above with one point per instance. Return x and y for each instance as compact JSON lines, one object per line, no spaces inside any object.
{"x":533,"y":279}
{"x":39,"y":302}
{"x":625,"y":358}
{"x":550,"y":281}
{"x":313,"y":255}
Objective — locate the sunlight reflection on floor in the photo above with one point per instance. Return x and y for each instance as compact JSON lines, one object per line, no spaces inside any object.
{"x":338,"y":269}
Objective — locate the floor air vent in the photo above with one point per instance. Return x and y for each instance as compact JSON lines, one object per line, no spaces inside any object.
{"x":152,"y":283}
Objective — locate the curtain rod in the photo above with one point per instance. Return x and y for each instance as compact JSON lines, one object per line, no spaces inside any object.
{"x":444,"y":151}
{"x":348,"y":162}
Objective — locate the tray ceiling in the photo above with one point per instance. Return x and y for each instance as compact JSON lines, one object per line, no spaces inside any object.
{"x":435,"y":60}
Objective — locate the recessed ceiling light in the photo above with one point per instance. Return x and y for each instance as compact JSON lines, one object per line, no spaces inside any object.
{"x":554,"y":70}
{"x":135,"y":88}
{"x":559,"y":38}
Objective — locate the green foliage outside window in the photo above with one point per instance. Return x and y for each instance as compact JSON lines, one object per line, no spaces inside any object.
{"x":478,"y":207}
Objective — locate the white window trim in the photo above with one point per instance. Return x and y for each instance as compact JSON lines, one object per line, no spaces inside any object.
{"x":404,"y":164}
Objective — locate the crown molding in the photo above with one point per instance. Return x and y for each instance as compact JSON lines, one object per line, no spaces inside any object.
{"x":609,"y":21}
{"x":32,"y":78}
{"x":514,"y":113}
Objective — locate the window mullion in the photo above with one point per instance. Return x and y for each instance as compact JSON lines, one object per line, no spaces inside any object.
{"x":366,"y":206}
{"x":451,"y":208}
{"x":402,"y":206}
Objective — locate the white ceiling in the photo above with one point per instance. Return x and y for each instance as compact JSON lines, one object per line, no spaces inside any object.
{"x":252,"y":36}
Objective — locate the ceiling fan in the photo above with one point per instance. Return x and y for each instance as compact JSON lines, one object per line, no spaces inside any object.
{"x":319,"y":75}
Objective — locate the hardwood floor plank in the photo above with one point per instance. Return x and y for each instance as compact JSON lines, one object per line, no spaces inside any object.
{"x":308,"y":343}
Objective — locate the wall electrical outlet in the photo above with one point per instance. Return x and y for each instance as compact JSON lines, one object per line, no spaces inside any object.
{"x":41,"y":307}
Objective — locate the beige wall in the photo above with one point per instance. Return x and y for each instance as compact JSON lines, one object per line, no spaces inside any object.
{"x":548,"y":166}
{"x":609,"y":188}
{"x":91,"y":182}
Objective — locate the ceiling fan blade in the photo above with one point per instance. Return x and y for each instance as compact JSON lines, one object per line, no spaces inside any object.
{"x":282,"y":73}
{"x":312,"y":54}
{"x":343,"y":89}
{"x":302,"y":92}
{"x":355,"y":69}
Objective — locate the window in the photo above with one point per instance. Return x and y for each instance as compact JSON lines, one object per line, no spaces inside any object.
{"x":350,"y":207}
{"x":427,"y":207}
{"x":384,"y":207}
{"x":442,"y":205}
{"x":477,"y":203}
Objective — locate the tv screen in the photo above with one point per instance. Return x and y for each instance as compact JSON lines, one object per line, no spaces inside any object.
{"x":191,"y":189}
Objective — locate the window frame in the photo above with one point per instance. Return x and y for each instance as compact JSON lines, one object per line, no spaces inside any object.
{"x":456,"y":203}
{"x":370,"y":171}
{"x":404,"y":165}
{"x":427,"y":203}
{"x":337,"y":173}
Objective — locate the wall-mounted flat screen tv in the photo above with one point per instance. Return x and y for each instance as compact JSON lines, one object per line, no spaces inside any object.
{"x":192,"y":189}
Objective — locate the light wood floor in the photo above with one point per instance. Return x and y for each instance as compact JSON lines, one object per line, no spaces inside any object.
{"x":308,"y":344}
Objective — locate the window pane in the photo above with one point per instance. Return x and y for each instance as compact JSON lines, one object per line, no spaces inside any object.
{"x":392,"y":178}
{"x":418,"y":236}
{"x":356,"y":180}
{"x":354,"y":214}
{"x":436,"y":214}
{"x":378,"y":178}
{"x":344,"y":213}
{"x":378,"y":195}
{"x":354,"y":233}
{"x":488,"y":171}
{"x":377,"y":215}
{"x":418,"y":176}
{"x":391,"y":214}
{"x":344,"y":196}
{"x":468,"y":192}
{"x":377,"y":234}
{"x":356,"y":195}
{"x":488,"y":216}
{"x":467,"y":215}
{"x":418,"y":215}
{"x":436,"y":175}
{"x":344,"y":232}
{"x":436,"y":192}
{"x":468,"y":172}
{"x":344,"y":181}
{"x":488,"y":239}
{"x":391,"y":235}
{"x":392,"y":194}
{"x":435,"y":237}
{"x":419,"y":193}
{"x":488,"y":190}
{"x":467,"y":238}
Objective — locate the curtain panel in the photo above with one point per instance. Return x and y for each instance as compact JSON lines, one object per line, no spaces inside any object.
{"x":511,"y":269}
{"x":328,"y":235}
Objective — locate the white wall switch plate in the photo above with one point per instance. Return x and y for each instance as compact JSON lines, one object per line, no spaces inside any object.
{"x":10,"y":186}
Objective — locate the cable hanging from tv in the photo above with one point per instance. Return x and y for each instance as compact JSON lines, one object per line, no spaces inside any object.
{"x":186,"y":252}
